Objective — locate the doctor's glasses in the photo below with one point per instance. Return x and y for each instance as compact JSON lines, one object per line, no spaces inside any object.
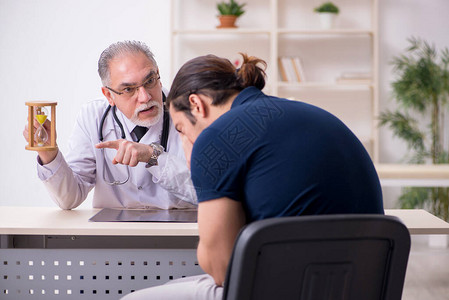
{"x":130,"y":91}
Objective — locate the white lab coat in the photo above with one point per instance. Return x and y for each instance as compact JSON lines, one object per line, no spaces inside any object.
{"x":70,"y":179}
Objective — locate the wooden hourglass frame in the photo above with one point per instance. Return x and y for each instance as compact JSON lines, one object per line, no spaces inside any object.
{"x":31,"y":131}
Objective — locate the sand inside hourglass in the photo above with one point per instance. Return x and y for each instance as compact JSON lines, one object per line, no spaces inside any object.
{"x":41,"y":118}
{"x":41,"y":135}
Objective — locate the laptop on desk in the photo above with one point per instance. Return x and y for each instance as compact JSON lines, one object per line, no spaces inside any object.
{"x":145,"y":215}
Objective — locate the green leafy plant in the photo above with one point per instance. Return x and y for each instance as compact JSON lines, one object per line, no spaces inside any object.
{"x":230,"y":8}
{"x":327,"y":7}
{"x":422,"y":91}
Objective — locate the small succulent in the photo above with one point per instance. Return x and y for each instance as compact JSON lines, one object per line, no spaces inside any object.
{"x":231,"y":8}
{"x":327,"y":7}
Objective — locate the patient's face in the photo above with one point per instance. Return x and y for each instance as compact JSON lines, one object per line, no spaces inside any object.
{"x":184,"y":126}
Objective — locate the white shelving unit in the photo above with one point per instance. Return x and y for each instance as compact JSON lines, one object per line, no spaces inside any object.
{"x":270,"y":29}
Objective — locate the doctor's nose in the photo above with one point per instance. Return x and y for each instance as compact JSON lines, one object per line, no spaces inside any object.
{"x":143,"y":96}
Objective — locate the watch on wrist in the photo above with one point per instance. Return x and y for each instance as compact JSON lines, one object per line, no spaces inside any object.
{"x":157,"y":150}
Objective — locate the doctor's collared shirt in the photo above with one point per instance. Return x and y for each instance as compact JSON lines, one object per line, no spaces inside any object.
{"x":71,"y":177}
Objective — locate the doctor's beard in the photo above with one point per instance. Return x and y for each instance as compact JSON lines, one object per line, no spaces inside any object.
{"x":150,"y":122}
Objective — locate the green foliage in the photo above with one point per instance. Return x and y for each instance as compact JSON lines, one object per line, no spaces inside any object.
{"x":327,"y":7}
{"x":404,"y":127}
{"x":231,"y":8}
{"x":413,"y":197}
{"x":434,"y":199}
{"x":421,"y":89}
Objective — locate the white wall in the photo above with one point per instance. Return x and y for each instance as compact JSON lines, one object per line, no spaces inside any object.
{"x":49,"y":51}
{"x":401,"y":19}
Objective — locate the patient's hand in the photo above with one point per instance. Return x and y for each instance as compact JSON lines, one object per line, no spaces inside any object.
{"x":187,"y":145}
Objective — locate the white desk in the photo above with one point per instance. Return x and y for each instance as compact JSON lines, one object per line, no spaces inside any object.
{"x":419,"y":221}
{"x":64,"y":265}
{"x":49,"y":253}
{"x":54,"y":221}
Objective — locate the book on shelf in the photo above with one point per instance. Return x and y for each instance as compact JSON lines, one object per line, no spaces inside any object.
{"x":299,"y":70}
{"x":282,"y":70}
{"x":354,"y":78}
{"x":356,"y":75}
{"x":353,"y":81}
{"x":291,"y":69}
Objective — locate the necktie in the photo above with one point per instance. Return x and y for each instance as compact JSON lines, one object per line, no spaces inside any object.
{"x":139,"y":131}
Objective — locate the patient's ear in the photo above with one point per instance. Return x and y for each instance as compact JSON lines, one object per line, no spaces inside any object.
{"x":198,"y":105}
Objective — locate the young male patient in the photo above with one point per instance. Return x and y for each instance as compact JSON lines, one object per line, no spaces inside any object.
{"x":254,"y":157}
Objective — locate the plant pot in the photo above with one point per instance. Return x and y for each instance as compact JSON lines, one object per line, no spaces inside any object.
{"x":227,"y":21}
{"x":327,"y":20}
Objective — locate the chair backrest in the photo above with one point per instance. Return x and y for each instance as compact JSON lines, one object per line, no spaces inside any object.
{"x":321,"y":257}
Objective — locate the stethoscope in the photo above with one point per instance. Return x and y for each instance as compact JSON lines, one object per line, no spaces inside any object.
{"x":164,"y":136}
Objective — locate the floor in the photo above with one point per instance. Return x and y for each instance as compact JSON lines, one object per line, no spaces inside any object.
{"x":427,"y":276}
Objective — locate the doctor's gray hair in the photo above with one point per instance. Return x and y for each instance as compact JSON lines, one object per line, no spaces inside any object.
{"x":117,"y":49}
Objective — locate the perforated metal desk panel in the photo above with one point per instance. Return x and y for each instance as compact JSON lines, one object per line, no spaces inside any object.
{"x":48,"y":253}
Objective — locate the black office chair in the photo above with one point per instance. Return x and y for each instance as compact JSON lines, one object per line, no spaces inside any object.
{"x":350,"y":257}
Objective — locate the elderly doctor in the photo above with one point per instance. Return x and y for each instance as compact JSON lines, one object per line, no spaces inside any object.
{"x":125,"y":145}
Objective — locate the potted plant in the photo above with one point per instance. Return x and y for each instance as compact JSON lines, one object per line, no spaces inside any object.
{"x":327,"y":12}
{"x":422,"y":92}
{"x":228,"y":12}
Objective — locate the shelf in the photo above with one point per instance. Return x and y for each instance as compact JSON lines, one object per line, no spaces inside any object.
{"x":323,"y":86}
{"x":397,"y":171}
{"x":273,"y":29}
{"x":413,"y":175}
{"x":325,"y":32}
{"x":222,"y":31}
{"x":267,"y":31}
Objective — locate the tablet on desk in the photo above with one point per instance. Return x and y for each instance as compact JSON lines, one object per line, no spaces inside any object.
{"x":145,"y":215}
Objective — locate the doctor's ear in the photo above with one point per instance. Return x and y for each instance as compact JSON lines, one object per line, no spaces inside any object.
{"x":107,"y":93}
{"x":198,"y":105}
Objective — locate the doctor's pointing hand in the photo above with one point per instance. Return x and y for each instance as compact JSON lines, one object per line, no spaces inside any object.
{"x":128,"y":153}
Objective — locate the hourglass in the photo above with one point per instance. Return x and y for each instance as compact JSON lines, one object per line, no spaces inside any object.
{"x":38,"y":137}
